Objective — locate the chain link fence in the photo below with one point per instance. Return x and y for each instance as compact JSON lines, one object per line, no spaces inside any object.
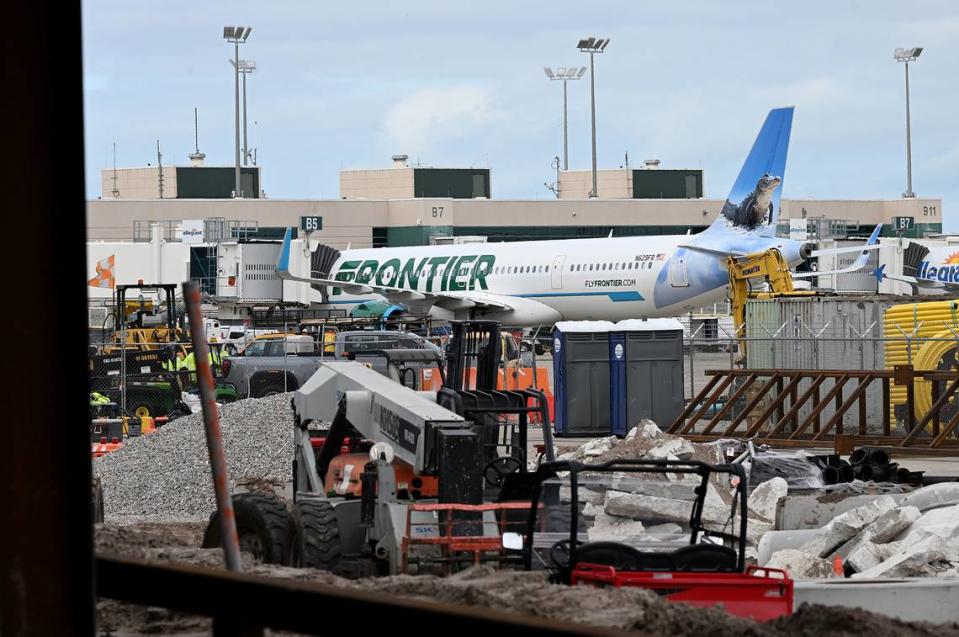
{"x":149,"y":380}
{"x":159,"y":379}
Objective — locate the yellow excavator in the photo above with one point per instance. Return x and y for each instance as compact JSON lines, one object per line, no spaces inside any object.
{"x":769,"y":267}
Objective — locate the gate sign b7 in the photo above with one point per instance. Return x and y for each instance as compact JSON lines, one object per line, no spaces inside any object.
{"x":311,"y":224}
{"x":903,"y":223}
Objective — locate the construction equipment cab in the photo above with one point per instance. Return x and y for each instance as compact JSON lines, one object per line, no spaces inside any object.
{"x":761,"y":275}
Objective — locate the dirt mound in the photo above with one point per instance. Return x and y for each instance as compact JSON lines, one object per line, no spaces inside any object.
{"x":629,"y":609}
{"x":836,"y":621}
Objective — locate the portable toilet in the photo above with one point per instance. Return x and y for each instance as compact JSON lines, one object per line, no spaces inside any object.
{"x":581,"y":384}
{"x":653,"y":372}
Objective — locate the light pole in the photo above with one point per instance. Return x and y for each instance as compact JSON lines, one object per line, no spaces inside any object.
{"x":565,"y":74}
{"x":236,"y":36}
{"x":592,"y":45}
{"x":246,"y":67}
{"x":907,"y":56}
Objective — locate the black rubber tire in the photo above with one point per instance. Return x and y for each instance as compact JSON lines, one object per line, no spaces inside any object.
{"x":313,"y":538}
{"x":96,"y":501}
{"x":262,"y":521}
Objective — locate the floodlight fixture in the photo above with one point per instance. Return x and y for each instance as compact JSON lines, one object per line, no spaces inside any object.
{"x":549,"y":72}
{"x":593,"y":45}
{"x":907,"y":55}
{"x":236,"y":35}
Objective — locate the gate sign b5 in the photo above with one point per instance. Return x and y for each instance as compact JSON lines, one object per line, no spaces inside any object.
{"x":903,"y":223}
{"x":311,"y":224}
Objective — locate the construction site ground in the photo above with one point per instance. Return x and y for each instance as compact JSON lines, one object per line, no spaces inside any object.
{"x":142,"y":527}
{"x":628,"y":609}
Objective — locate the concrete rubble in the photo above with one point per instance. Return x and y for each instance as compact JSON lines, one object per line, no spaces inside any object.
{"x":883,"y":540}
{"x":764,"y":500}
{"x":662,"y":504}
{"x":844,"y":527}
{"x":801,"y":565}
{"x":881,"y":536}
{"x":929,"y":546}
{"x":859,"y":552}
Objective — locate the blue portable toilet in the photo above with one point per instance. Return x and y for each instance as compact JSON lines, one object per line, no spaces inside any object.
{"x":617,"y":383}
{"x":581,"y":379}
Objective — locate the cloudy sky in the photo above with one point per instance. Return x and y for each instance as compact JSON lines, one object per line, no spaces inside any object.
{"x":347,"y":84}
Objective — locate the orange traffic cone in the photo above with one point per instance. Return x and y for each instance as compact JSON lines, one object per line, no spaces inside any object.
{"x":837,"y":568}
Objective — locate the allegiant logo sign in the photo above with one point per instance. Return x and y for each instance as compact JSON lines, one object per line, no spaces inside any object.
{"x":427,"y":274}
{"x":943,"y":273}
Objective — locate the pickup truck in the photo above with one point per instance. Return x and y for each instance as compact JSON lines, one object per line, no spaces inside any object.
{"x":279,"y":363}
{"x":271,"y":364}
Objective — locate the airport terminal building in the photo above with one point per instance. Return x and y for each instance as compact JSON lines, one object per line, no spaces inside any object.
{"x":415,"y":205}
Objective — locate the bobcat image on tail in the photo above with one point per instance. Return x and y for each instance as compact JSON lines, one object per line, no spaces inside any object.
{"x":757,"y":207}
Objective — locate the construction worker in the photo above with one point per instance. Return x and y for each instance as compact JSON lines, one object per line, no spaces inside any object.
{"x":172,"y":364}
{"x":213,"y":356}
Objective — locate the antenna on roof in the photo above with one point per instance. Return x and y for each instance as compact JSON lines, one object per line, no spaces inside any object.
{"x":196,"y":157}
{"x":116,"y":191}
{"x":160,"y":169}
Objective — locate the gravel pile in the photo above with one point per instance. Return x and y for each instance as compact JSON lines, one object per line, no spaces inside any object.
{"x":165,"y":476}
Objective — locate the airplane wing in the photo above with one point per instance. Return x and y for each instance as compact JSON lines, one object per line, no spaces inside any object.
{"x":447,"y":300}
{"x":858,"y":264}
{"x":712,"y":251}
{"x":871,"y":244}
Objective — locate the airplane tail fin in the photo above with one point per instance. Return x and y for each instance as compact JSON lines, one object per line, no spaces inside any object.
{"x":753,"y":202}
{"x":912,"y":258}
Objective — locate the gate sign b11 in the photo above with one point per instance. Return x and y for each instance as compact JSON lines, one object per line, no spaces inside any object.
{"x":903,"y":223}
{"x":311,"y":224}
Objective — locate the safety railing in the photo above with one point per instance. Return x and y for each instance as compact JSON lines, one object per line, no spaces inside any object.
{"x":464,"y":534}
{"x":786,"y":407}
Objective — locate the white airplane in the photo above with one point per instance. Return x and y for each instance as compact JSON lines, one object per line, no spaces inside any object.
{"x":540,"y":282}
{"x":926,"y":269}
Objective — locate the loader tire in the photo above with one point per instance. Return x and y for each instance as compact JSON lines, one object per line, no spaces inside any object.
{"x":313,"y":540}
{"x":261,"y":524}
